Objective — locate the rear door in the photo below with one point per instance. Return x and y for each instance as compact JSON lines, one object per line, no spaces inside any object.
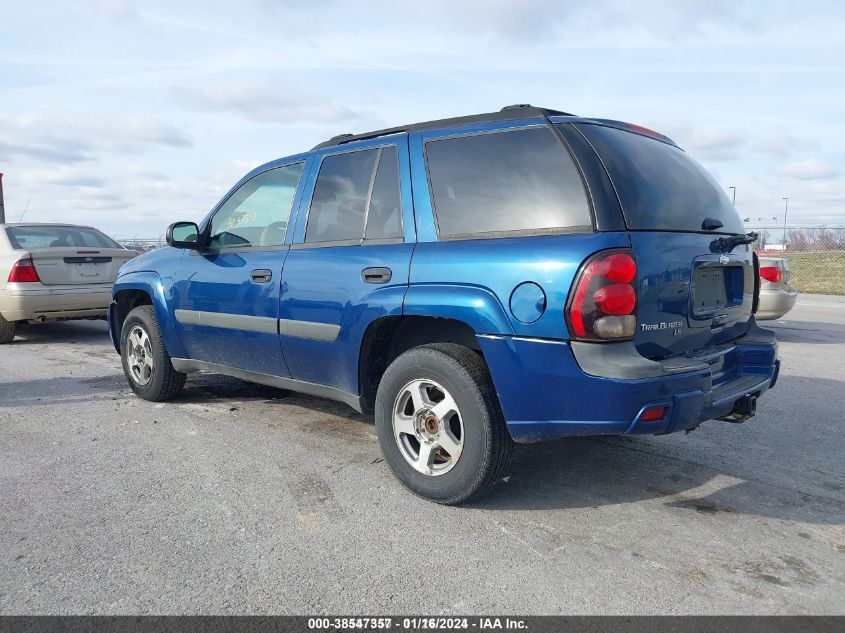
{"x":349,"y":263}
{"x":70,"y":255}
{"x":694,"y":292}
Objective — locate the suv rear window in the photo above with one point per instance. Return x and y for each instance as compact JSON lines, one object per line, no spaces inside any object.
{"x":659,"y":185}
{"x":58,"y":237}
{"x":516,"y":180}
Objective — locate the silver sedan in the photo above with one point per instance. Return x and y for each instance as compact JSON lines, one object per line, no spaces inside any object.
{"x":55,"y":271}
{"x":777,"y":296}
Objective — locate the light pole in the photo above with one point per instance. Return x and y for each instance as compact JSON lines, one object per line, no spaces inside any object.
{"x":785,"y":211}
{"x":733,"y":197}
{"x":2,"y":206}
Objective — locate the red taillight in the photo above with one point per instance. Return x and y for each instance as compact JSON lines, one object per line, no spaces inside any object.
{"x":23,"y":271}
{"x":619,"y":267}
{"x":616,"y":299}
{"x":771,"y":273}
{"x":602,"y":305}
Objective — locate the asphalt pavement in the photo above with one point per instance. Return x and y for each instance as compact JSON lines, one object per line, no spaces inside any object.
{"x":237,"y":498}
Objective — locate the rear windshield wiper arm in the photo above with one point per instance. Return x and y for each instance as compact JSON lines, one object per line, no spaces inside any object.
{"x":727,"y":244}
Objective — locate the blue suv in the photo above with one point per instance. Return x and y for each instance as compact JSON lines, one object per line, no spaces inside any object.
{"x":472,"y":282}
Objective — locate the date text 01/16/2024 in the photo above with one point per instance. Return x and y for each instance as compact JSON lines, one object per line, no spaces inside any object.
{"x":417,"y":623}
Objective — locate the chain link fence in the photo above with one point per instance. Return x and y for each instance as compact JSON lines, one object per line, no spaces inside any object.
{"x":816,"y":255}
{"x":141,"y":244}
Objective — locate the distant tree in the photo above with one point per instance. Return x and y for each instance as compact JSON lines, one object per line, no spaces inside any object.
{"x":797,"y":240}
{"x":825,"y":240}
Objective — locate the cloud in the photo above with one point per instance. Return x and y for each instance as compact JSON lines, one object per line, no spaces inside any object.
{"x":63,"y":175}
{"x":718,"y":144}
{"x":530,"y":22}
{"x":75,"y":138}
{"x":144,"y":130}
{"x":810,"y":169}
{"x":782,"y":145}
{"x":707,"y":142}
{"x":268,"y":103}
{"x":125,"y":10}
{"x":59,"y":152}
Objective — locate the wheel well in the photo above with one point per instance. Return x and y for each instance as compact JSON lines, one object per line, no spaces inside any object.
{"x":125,"y":301}
{"x":387,"y":338}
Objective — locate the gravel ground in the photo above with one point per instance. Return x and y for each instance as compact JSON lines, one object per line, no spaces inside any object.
{"x":238,"y":498}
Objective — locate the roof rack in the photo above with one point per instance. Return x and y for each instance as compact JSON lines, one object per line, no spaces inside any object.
{"x":516,"y":111}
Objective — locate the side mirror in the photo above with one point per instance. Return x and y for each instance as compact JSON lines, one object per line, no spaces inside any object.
{"x":183,"y":235}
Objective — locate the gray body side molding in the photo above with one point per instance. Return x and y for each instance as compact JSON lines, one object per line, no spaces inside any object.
{"x":309,"y":329}
{"x":268,"y":325}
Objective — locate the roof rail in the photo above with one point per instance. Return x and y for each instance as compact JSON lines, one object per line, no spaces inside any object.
{"x":516,"y":111}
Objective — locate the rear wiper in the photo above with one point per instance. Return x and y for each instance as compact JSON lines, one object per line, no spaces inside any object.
{"x":727,"y":244}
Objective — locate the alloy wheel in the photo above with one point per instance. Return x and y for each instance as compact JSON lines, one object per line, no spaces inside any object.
{"x":428,"y":427}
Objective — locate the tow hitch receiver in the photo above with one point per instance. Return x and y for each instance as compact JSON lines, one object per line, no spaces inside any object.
{"x":744,"y":409}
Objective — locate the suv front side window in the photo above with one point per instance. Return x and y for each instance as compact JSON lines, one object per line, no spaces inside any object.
{"x":257,"y":213}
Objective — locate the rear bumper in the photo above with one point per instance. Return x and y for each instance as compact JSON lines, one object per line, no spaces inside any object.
{"x":775,"y":302}
{"x":20,"y":302}
{"x":546,"y":388}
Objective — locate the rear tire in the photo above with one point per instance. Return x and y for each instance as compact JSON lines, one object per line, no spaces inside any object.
{"x":144,"y":357}
{"x":439,"y":424}
{"x":7,"y":330}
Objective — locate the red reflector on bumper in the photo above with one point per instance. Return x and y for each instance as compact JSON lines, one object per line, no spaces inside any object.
{"x":653,"y":413}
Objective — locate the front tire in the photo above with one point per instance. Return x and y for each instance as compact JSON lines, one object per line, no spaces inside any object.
{"x":144,"y":357}
{"x":7,"y":330}
{"x":439,"y":424}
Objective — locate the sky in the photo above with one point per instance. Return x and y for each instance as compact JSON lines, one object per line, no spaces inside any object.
{"x":131,"y":115}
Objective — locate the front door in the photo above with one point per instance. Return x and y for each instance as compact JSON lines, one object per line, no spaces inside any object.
{"x":349,"y":264}
{"x":226,"y":296}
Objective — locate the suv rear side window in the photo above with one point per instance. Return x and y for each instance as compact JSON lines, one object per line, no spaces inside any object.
{"x":384,"y":219}
{"x":340,"y":197}
{"x":660,"y":186}
{"x":348,"y":194}
{"x":517,"y":180}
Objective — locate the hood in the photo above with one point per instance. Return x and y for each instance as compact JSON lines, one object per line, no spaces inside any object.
{"x":161,"y":260}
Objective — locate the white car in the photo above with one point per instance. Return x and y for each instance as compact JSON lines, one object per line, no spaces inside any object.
{"x":55,"y":271}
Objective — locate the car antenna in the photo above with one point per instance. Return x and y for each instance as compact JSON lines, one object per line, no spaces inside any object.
{"x":26,"y":206}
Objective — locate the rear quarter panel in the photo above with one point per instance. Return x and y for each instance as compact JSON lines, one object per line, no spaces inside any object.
{"x":473,"y":280}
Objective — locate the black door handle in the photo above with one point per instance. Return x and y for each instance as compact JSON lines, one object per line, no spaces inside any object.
{"x":376,"y":275}
{"x":261,"y":275}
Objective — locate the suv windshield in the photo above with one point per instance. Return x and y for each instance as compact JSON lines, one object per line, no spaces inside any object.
{"x":660,"y":186}
{"x":58,"y":237}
